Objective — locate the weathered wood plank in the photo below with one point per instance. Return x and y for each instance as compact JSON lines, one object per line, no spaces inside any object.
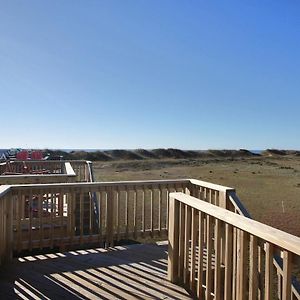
{"x":130,"y":272}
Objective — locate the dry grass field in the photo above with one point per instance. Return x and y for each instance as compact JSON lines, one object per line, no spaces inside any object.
{"x":269,"y":187}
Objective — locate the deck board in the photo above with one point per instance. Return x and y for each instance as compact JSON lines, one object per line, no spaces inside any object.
{"x":122,"y":272}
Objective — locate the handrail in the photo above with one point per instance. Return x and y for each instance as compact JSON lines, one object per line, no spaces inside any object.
{"x":47,"y":161}
{"x":69,"y":214}
{"x":273,"y":235}
{"x":98,"y":184}
{"x":227,"y":198}
{"x":63,"y":217}
{"x":44,"y":171}
{"x":65,"y":174}
{"x":214,"y":251}
{"x":87,"y":209}
{"x":212,"y":186}
{"x":277,"y":260}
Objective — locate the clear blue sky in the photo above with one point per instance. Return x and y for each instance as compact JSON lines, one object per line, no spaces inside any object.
{"x":130,"y":74}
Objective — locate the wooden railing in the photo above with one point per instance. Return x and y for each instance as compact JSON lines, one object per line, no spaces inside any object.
{"x":43,"y":171}
{"x":20,"y":166}
{"x":62,"y":215}
{"x":6,"y":237}
{"x":219,"y":254}
{"x":72,"y":215}
{"x":83,"y":170}
{"x":211,"y":193}
{"x":66,"y":215}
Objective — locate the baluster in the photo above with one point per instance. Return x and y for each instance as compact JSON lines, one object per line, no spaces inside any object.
{"x":151,"y":211}
{"x":40,"y":217}
{"x":110,"y":217}
{"x":118,"y":213}
{"x":241,"y":264}
{"x":71,"y":214}
{"x":187,"y":235}
{"x":181,"y":239}
{"x":217,"y":198}
{"x":143,"y":211}
{"x":81,"y":212}
{"x":126,"y":211}
{"x":217,"y":275}
{"x":135,"y":212}
{"x":279,"y":285}
{"x":253,"y":271}
{"x":167,"y":207}
{"x":20,"y":215}
{"x":208,"y":257}
{"x":234,"y":265}
{"x":30,"y":219}
{"x":260,"y":271}
{"x":52,"y":215}
{"x":269,"y":271}
{"x":61,"y":214}
{"x":210,"y":196}
{"x":200,"y":256}
{"x":193,"y":250}
{"x":159,"y":210}
{"x":287,"y":275}
{"x":102,"y":216}
{"x":91,"y":212}
{"x":228,"y":262}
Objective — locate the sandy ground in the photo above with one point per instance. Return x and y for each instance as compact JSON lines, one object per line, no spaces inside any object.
{"x":269,"y":187}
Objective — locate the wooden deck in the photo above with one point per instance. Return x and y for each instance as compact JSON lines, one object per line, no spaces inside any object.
{"x":123,"y":272}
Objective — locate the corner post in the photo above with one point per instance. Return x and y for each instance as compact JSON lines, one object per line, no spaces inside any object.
{"x":173,"y":239}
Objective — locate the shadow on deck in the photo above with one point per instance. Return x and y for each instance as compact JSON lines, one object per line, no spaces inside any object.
{"x":122,"y":272}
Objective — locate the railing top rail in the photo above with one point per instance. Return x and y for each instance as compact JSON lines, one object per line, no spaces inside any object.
{"x":114,"y":183}
{"x":275,"y":236}
{"x":212,"y":186}
{"x":47,"y":161}
{"x":69,"y":172}
{"x":98,"y":184}
{"x":36,"y":175}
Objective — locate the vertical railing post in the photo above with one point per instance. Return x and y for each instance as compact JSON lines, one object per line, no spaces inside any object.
{"x":287,"y":274}
{"x":110,"y":218}
{"x":9,"y":226}
{"x":173,"y":238}
{"x":223,"y":199}
{"x":2,"y":231}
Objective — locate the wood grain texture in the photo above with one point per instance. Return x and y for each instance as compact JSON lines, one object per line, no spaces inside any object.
{"x":122,"y":272}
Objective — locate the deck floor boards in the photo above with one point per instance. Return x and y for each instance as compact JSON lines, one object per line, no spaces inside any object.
{"x":122,"y":272}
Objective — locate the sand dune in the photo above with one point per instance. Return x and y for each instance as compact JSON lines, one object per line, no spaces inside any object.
{"x":166,"y":153}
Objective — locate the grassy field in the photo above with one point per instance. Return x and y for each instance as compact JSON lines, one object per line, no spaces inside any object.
{"x":269,"y":187}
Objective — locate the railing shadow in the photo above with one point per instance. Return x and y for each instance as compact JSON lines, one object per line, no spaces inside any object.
{"x":122,"y":272}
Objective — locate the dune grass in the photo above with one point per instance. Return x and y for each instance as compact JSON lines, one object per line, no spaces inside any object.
{"x":269,"y":187}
